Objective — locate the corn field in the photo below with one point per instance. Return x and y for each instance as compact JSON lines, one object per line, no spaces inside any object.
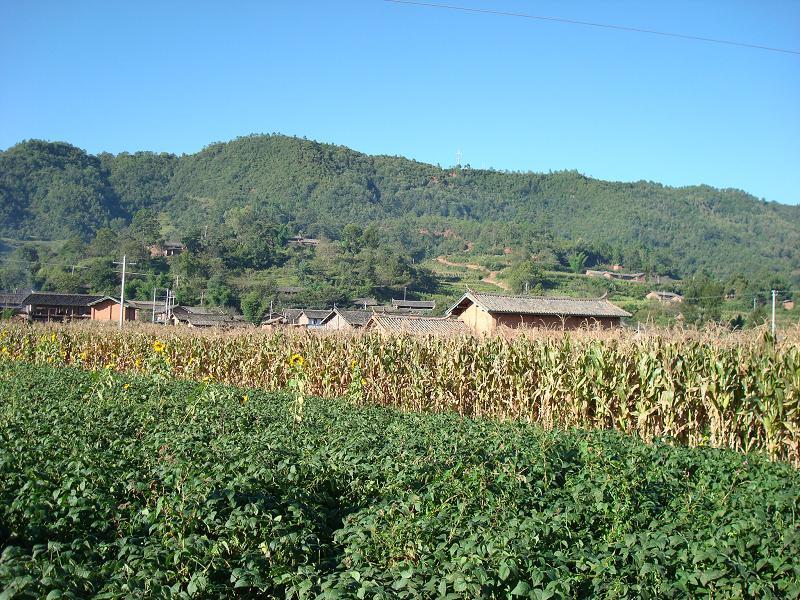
{"x":742,"y":393}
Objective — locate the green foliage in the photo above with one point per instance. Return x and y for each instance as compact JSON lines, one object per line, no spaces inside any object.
{"x":144,"y":227}
{"x":703,"y":300}
{"x":254,"y":307}
{"x":57,"y":191}
{"x":577,"y":261}
{"x":526,"y":277}
{"x":53,"y":191}
{"x":127,"y":487}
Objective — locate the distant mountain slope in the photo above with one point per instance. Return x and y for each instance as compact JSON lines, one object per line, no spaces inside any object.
{"x":54,"y":190}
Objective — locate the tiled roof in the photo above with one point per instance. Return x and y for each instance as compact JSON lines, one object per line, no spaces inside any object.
{"x":313,"y":313}
{"x":356,"y":318}
{"x":291,"y":315}
{"x":147,"y":305}
{"x":538,"y":305}
{"x":419,"y":325}
{"x":216,"y":321}
{"x":11,"y":300}
{"x":206,"y":317}
{"x":365,"y":302}
{"x":426,"y":304}
{"x":54,"y":299}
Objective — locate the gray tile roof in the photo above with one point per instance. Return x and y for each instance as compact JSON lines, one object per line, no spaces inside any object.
{"x":56,"y":299}
{"x":426,"y":304}
{"x":313,"y":313}
{"x":147,"y":305}
{"x":365,"y":302}
{"x":199,"y":316}
{"x":11,"y":300}
{"x":356,"y":318}
{"x":418,"y":325}
{"x":539,"y":305}
{"x":291,"y":315}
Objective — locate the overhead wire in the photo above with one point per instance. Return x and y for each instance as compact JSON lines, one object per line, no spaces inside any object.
{"x":684,"y":36}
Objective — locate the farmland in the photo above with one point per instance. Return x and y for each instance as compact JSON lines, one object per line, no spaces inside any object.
{"x":132,"y":485}
{"x":740,"y":392}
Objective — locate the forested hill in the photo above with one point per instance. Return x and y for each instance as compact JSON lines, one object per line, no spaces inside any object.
{"x":56,"y":191}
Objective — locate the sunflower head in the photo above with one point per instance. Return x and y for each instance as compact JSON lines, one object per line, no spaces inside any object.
{"x":297,"y":360}
{"x":159,"y":346}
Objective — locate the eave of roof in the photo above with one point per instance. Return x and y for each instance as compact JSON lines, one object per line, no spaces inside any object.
{"x":419,"y":325}
{"x":540,"y":306}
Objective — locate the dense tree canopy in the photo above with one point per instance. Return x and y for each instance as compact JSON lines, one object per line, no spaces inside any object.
{"x":235,"y":205}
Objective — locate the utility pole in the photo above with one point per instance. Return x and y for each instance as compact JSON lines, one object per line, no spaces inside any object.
{"x":122,"y":292}
{"x":166,"y":307}
{"x":774,"y":293}
{"x":154,"y":304}
{"x":124,"y":264}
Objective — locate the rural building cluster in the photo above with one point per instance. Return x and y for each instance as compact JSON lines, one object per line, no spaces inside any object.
{"x":473,"y":313}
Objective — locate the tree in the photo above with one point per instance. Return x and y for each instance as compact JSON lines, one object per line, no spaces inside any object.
{"x":351,"y":238}
{"x":526,"y":276}
{"x":577,"y":261}
{"x":220,"y":294}
{"x":144,"y":227}
{"x":253,"y":307}
{"x":702,"y":300}
{"x":105,"y":243}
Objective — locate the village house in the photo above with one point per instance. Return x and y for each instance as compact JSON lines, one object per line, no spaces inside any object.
{"x":290,"y":290}
{"x":291,"y":315}
{"x":12,"y":301}
{"x":299,"y":240}
{"x":166,"y":249}
{"x":415,"y":325}
{"x":146,"y":310}
{"x":665,"y":297}
{"x":51,"y":306}
{"x":313,"y":318}
{"x":419,"y":306}
{"x":788,"y":304}
{"x":365,"y":303}
{"x":486,"y":313}
{"x":345,"y":320}
{"x":271,"y":320}
{"x":198,"y":316}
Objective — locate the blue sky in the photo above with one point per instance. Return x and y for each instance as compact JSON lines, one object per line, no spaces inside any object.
{"x":382,"y":78}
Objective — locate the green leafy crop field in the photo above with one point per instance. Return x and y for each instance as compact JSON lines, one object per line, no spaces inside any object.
{"x":136,"y":486}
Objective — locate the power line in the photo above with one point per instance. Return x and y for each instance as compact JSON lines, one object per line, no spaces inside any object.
{"x":684,"y":36}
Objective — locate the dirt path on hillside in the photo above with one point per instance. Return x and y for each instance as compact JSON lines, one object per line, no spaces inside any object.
{"x":490,"y":277}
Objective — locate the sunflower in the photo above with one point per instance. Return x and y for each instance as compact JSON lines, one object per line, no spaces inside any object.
{"x":159,"y":346}
{"x":297,"y":360}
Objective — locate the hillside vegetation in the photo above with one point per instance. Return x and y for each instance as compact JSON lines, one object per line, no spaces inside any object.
{"x":56,"y":191}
